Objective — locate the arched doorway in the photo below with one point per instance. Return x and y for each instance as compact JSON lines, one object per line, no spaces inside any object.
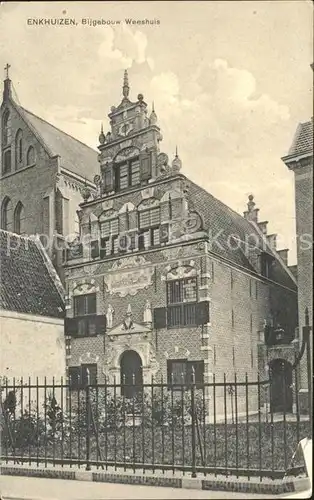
{"x":131,"y":374}
{"x":280,"y":385}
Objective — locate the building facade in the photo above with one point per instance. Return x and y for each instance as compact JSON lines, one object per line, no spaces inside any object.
{"x":167,"y":281}
{"x":43,"y":171}
{"x":31,"y":312}
{"x":300,"y":161}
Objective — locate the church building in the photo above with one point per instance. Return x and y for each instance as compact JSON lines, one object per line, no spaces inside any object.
{"x":167,"y":280}
{"x":42,"y":173}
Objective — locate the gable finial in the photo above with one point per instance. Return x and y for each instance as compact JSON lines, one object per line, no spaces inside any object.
{"x":125,"y":88}
{"x":176,"y":151}
{"x":6,"y":69}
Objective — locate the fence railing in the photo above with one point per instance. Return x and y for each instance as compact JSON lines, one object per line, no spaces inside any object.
{"x":224,"y":427}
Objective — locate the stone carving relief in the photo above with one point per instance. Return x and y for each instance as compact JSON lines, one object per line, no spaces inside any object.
{"x":181,"y":271}
{"x":87,"y":358}
{"x":109,"y":316}
{"x":147,"y":315}
{"x":147,"y":193}
{"x":128,"y":276}
{"x":126,"y":153}
{"x":128,"y":320}
{"x":84,"y":288}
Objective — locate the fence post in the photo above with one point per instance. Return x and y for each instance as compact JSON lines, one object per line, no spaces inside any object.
{"x":88,"y":467}
{"x":193,"y":422}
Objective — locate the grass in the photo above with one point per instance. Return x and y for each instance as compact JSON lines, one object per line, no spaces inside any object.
{"x":267,"y":447}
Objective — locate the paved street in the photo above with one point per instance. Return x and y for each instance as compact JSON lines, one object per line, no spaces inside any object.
{"x":24,"y":488}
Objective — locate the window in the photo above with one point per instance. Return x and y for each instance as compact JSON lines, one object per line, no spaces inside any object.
{"x":180,"y":372}
{"x":6,"y":128}
{"x":266,"y":262}
{"x":181,"y":300}
{"x":18,"y":149}
{"x":6,"y":161}
{"x":79,"y":375}
{"x":7,"y":215}
{"x":19,"y":219}
{"x":85,"y":312}
{"x":127,"y":174}
{"x":30,"y":156}
{"x":149,"y":218}
{"x":149,"y":224}
{"x":109,"y":229}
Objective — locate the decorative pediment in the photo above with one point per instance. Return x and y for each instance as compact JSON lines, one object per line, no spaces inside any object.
{"x":133,"y":328}
{"x":181,"y":272}
{"x":148,"y":203}
{"x":84,"y":288}
{"x":108,"y":214}
{"x":126,"y":153}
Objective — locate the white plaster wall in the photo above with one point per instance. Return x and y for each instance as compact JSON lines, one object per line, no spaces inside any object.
{"x":31,"y":347}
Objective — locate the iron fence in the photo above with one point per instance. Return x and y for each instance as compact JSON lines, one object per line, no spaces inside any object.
{"x":227,"y":426}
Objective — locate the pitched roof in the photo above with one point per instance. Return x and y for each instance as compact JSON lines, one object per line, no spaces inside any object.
{"x":303,"y":139}
{"x":75,"y":156}
{"x":27,"y":284}
{"x":230,"y":232}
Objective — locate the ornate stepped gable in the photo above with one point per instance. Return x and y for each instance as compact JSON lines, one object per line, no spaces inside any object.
{"x":130,"y":164}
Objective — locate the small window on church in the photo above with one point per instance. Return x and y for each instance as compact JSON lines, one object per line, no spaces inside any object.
{"x":6,"y":128}
{"x":30,"y":157}
{"x":7,"y":215}
{"x":6,"y":162}
{"x":18,"y":149}
{"x":19,"y":219}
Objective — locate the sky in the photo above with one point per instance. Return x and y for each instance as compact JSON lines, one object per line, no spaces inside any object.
{"x":230,"y":81}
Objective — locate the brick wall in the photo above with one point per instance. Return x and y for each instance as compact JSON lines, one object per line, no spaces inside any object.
{"x":304,"y":226}
{"x":29,"y":184}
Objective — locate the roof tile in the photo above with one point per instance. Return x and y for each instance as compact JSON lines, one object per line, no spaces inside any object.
{"x":26,"y":285}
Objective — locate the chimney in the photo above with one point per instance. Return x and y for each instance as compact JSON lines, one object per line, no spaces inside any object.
{"x":251,"y":214}
{"x":263,"y":226}
{"x":283,"y":254}
{"x":272,"y":241}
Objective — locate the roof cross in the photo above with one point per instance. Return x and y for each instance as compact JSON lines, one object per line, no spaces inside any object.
{"x":6,"y":68}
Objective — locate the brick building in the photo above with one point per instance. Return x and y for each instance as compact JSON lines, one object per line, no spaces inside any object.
{"x":43,"y":171}
{"x":167,"y":279}
{"x":31,"y":312}
{"x":300,"y":161}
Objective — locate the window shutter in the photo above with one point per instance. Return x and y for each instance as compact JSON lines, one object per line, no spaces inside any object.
{"x":202,"y":313}
{"x":160,"y":317}
{"x":70,"y":326}
{"x":94,"y":249}
{"x":101,"y":324}
{"x":164,"y":233}
{"x":108,"y":180}
{"x":146,"y":166}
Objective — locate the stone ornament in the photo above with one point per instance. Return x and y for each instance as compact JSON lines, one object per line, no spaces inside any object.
{"x":147,"y":315}
{"x":109,"y":316}
{"x":128,"y":276}
{"x":128,"y":321}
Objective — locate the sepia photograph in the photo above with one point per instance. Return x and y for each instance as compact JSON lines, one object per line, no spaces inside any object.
{"x":156,"y":250}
